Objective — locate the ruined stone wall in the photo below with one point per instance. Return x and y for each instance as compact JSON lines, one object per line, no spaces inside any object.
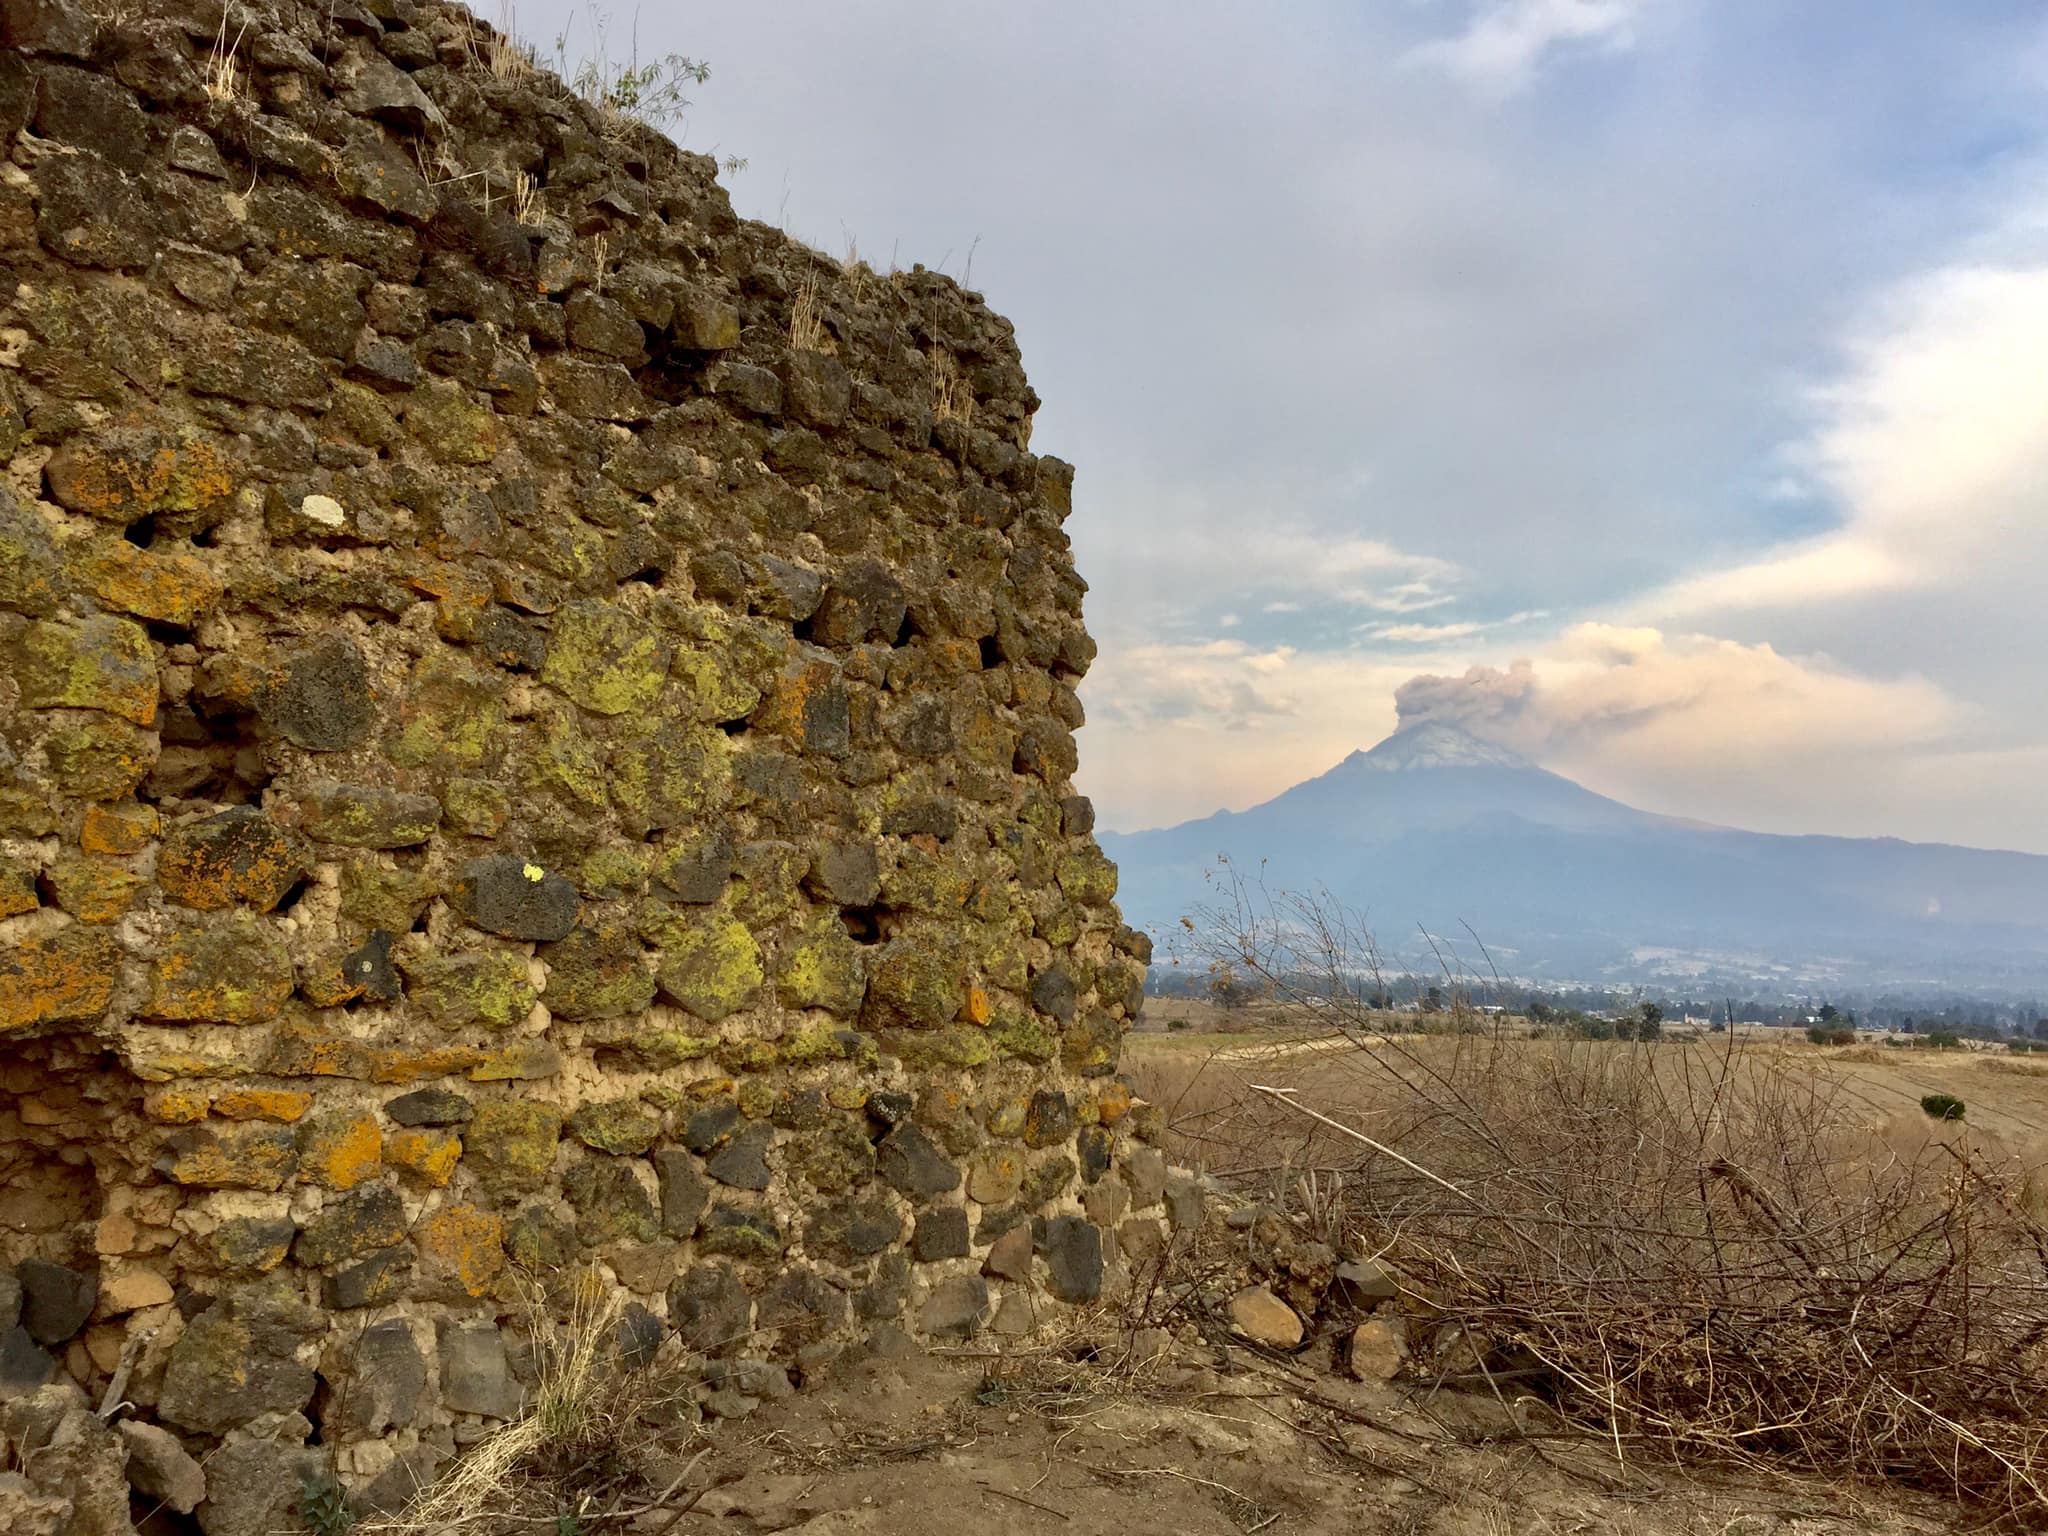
{"x":507,"y":759}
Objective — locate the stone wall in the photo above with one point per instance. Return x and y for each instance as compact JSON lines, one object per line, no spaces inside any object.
{"x":508,"y":760}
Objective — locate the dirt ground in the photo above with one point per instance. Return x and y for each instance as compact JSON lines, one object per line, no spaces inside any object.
{"x":903,"y":1444}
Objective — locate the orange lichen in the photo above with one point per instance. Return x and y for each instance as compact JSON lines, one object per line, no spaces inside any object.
{"x":50,"y":977}
{"x":175,"y":589}
{"x":978,"y":1009}
{"x":1112,"y":1102}
{"x":283,"y":1105}
{"x":175,"y":1106}
{"x":467,"y":1243}
{"x":428,"y":1155}
{"x":399,"y":1065}
{"x":341,"y":1151}
{"x":118,"y":830}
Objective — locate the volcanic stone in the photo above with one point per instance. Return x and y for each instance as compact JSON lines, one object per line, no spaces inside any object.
{"x":1073,"y":1258}
{"x":710,"y":1309}
{"x":430,"y":1106}
{"x":322,"y":700}
{"x":743,"y":1162}
{"x":239,"y":857}
{"x":684,"y":1192}
{"x":56,"y":1300}
{"x":910,"y":1161}
{"x":516,"y":897}
{"x":940,"y":1234}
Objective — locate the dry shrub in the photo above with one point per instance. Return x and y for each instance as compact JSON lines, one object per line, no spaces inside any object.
{"x":1695,"y":1248}
{"x":806,"y":323}
{"x":952,"y":397}
{"x":585,"y":1448}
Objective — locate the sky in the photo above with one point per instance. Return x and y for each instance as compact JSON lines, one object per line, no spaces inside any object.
{"x":1655,"y":386}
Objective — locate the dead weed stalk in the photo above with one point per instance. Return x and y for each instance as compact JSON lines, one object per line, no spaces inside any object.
{"x":1691,"y":1249}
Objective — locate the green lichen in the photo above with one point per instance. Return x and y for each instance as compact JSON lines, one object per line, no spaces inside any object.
{"x":490,"y":988}
{"x":825,"y":969}
{"x":710,"y":963}
{"x":606,"y":659}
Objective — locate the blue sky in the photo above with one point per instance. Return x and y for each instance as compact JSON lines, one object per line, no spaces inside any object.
{"x":1658,"y":380}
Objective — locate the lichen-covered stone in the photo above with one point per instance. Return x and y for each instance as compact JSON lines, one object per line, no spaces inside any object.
{"x":257,"y":1244}
{"x":17,"y":887}
{"x":238,"y":857}
{"x":597,"y":973}
{"x":516,"y":897}
{"x":100,"y":662}
{"x":916,"y":983}
{"x":95,"y":757}
{"x":543,"y":700}
{"x":824,"y":969}
{"x":57,"y":977}
{"x":736,"y":1232}
{"x":510,"y":1144}
{"x":367,"y":815}
{"x":709,"y":962}
{"x":1093,"y":1043}
{"x":612,"y":1205}
{"x":426,"y":1155}
{"x":464,"y":1246}
{"x":282,"y":1106}
{"x":169,"y":588}
{"x":31,"y":573}
{"x":125,"y":475}
{"x":451,"y":718}
{"x":118,"y":830}
{"x":676,"y":775}
{"x":231,"y":1157}
{"x":235,"y":1361}
{"x":229,"y":969}
{"x":487,"y":989}
{"x":340,"y":1149}
{"x":623,"y":1127}
{"x":605,"y":659}
{"x":344,"y":1230}
{"x":93,"y":890}
{"x":377,"y":1281}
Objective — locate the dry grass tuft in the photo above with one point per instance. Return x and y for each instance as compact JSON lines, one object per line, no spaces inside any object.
{"x":223,"y":74}
{"x":581,"y":1452}
{"x":499,"y":51}
{"x":952,"y":399}
{"x":806,"y":322}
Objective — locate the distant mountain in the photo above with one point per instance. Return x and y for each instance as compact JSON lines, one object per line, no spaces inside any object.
{"x":1436,"y":829}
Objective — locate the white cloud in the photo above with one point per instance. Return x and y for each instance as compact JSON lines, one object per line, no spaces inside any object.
{"x":1932,"y":444}
{"x":1693,"y":724}
{"x":1177,"y":731}
{"x":1406,"y":633}
{"x":1507,"y":41}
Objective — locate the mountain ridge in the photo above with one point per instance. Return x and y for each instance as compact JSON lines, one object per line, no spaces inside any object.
{"x":1437,"y":827}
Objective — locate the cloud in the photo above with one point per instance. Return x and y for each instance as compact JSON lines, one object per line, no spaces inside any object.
{"x":1432,"y":633}
{"x":1507,"y":41}
{"x":1177,"y":731}
{"x":1931,"y":444}
{"x":1689,"y":723}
